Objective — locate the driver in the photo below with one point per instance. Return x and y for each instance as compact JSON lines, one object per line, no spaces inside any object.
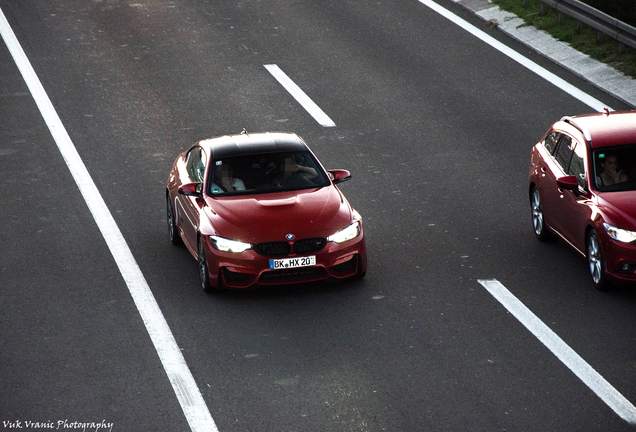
{"x":291,"y":168}
{"x":611,"y":175}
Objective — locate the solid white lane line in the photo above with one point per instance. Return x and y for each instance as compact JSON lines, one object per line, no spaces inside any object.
{"x":549,"y":76}
{"x":186,"y":390}
{"x":567,"y":355}
{"x":304,"y":100}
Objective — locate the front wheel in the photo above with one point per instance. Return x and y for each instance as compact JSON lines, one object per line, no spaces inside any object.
{"x":538,"y":220}
{"x":173,"y":231}
{"x":595,"y":261}
{"x":204,"y":277}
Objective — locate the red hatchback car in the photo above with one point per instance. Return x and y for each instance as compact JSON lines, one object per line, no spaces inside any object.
{"x":582,"y":187}
{"x":259,"y":209}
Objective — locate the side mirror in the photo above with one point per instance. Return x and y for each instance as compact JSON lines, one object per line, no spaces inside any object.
{"x":568,"y":183}
{"x":339,"y":175}
{"x":191,"y":189}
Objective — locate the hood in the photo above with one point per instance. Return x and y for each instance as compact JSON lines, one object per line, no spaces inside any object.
{"x":270,"y":217}
{"x":619,"y":208}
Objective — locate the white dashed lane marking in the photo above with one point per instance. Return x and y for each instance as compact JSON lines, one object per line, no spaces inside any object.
{"x":567,"y":355}
{"x":300,"y":96}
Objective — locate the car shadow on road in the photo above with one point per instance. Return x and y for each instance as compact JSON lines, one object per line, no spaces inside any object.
{"x":318,"y":288}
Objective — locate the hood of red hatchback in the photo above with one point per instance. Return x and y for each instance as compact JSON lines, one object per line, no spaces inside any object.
{"x":619,"y":208}
{"x":272,"y":216}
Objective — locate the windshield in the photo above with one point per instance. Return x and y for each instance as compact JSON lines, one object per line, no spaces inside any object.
{"x":615,"y":168}
{"x":268,"y":172}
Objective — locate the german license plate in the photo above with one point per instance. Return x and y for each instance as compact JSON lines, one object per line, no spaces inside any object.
{"x":275,"y":264}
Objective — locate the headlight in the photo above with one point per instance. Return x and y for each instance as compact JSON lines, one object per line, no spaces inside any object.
{"x":619,"y":234}
{"x":350,"y":232}
{"x":227,"y":245}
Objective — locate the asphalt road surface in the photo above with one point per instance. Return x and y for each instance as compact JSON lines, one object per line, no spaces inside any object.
{"x":436,"y":127}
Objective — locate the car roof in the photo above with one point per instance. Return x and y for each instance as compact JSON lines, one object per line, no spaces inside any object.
{"x":252,"y":143}
{"x":607,"y":128}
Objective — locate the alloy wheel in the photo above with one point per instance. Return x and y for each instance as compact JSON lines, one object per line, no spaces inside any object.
{"x":594,"y":259}
{"x":203,"y":269}
{"x":538,"y":221}
{"x":173,"y":233}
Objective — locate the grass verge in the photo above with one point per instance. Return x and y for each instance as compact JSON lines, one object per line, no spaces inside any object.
{"x":584,"y":40}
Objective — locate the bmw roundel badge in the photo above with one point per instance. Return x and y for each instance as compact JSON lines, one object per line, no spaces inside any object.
{"x":290,"y":237}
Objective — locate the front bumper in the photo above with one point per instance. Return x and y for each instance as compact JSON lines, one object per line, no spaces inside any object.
{"x":620,"y":261}
{"x":249,"y":269}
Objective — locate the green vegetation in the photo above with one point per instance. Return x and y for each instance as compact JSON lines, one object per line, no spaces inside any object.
{"x":584,"y":40}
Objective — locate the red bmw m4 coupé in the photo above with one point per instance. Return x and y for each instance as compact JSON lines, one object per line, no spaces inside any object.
{"x":259,"y":209}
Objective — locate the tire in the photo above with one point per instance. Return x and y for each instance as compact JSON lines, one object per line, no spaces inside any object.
{"x":204,"y":278}
{"x":538,"y":219}
{"x":595,"y":261}
{"x":173,"y":231}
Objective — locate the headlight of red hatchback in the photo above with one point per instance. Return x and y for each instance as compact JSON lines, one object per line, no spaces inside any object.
{"x":620,"y":234}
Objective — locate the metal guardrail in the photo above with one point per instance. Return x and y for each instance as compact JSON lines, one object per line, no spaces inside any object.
{"x":603,"y":23}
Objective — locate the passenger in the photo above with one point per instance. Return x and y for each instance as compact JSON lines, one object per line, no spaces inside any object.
{"x":610,"y":174}
{"x":293,"y":174}
{"x":228,"y":183}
